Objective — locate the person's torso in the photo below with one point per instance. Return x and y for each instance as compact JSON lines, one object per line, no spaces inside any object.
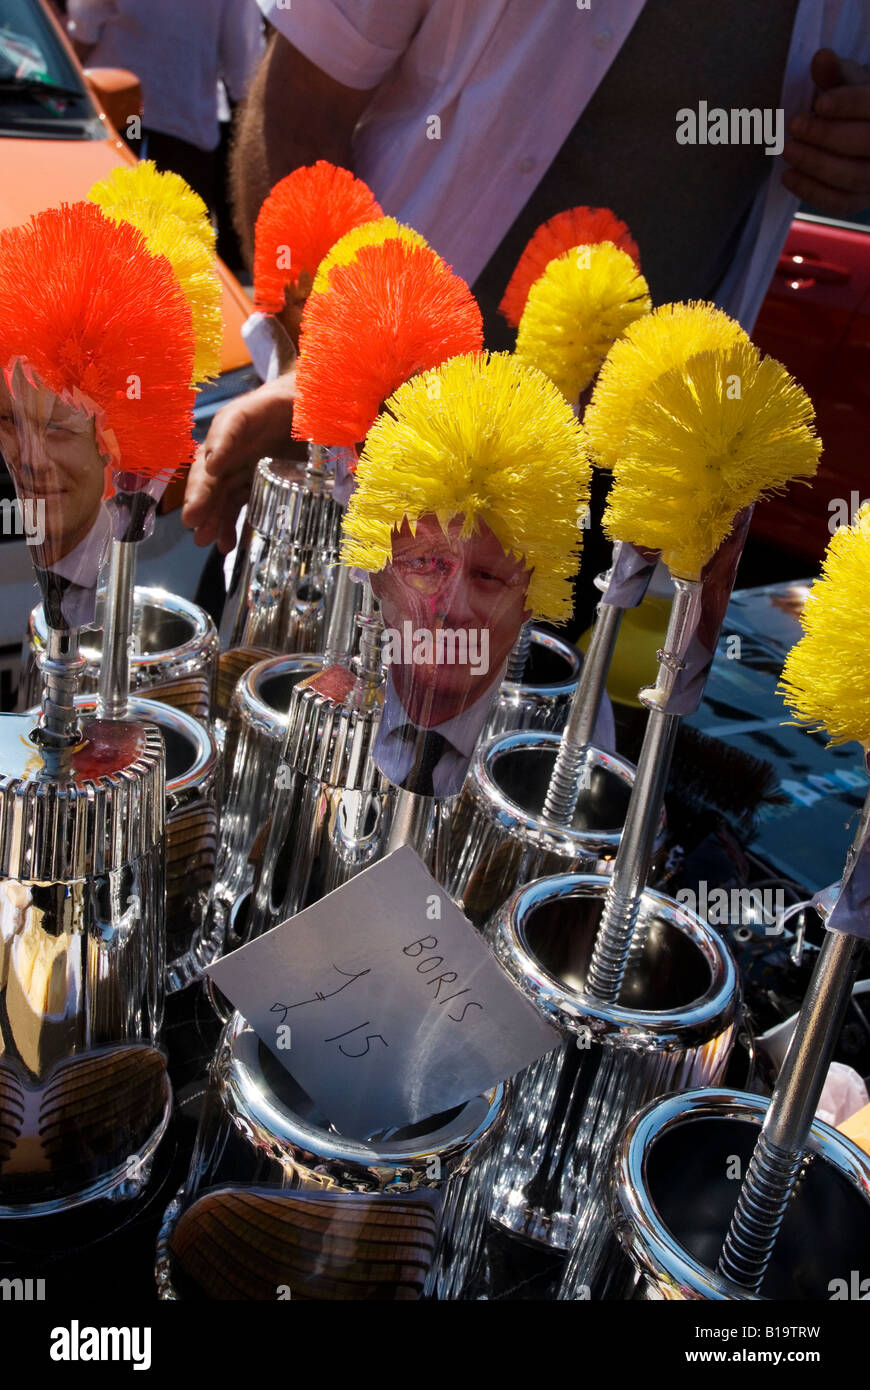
{"x":684,"y":203}
{"x":172,"y":46}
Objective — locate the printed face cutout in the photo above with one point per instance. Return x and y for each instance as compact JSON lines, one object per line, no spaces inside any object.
{"x":51,"y":451}
{"x":452,"y":610}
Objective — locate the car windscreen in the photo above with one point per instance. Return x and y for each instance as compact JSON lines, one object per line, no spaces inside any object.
{"x":41,"y":91}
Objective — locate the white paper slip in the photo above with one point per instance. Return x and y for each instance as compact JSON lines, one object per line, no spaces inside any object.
{"x":384,"y":1002}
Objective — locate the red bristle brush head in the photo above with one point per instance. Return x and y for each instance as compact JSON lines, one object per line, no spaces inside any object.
{"x":97,"y":316}
{"x":302,"y":218}
{"x":394,"y":311}
{"x":576,"y":227}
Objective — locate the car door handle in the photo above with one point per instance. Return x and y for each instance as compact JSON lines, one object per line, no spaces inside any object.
{"x":805,"y":270}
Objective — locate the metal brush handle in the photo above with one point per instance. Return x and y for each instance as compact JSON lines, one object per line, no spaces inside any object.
{"x":567,"y":775}
{"x":633,"y":858}
{"x":342,"y":617}
{"x":60,"y":666}
{"x":776,"y":1160}
{"x":516,"y":667}
{"x":114,"y":682}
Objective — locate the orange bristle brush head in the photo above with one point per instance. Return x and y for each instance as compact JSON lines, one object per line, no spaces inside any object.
{"x":394,"y":311}
{"x":303,"y":216}
{"x":104,"y":324}
{"x":577,"y":227}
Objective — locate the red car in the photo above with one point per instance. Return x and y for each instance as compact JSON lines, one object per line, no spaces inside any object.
{"x":816,"y":320}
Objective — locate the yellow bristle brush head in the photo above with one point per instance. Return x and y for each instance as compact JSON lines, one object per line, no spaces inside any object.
{"x":169,"y":235}
{"x":368,"y":234}
{"x":145,"y":183}
{"x":575,"y":311}
{"x":489,"y":439}
{"x":826,"y":677}
{"x":704,"y":441}
{"x":666,"y":338}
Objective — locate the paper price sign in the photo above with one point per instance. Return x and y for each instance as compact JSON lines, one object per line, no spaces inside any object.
{"x":383,"y":1002}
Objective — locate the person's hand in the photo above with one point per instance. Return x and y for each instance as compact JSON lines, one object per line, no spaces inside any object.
{"x":241,"y":433}
{"x":829,"y":149}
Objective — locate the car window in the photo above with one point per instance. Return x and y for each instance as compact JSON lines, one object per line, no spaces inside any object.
{"x":41,"y":89}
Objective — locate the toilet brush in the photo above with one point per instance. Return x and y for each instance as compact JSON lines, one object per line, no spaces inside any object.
{"x":826,"y":685}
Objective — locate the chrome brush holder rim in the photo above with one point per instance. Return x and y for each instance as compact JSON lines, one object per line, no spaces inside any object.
{"x":487,"y":783}
{"x":193,"y":787}
{"x":688,"y":1024}
{"x":181,"y":645}
{"x":542,"y":702}
{"x":256,"y":1118}
{"x":497,"y":838}
{"x":238,"y":1068}
{"x":669,"y":1269}
{"x":674,"y":1026}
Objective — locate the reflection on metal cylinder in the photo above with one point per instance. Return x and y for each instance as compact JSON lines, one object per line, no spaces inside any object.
{"x":277,"y":1199}
{"x":675,"y":1177}
{"x":174,"y":660}
{"x":84,"y":1096}
{"x":673,"y":1027}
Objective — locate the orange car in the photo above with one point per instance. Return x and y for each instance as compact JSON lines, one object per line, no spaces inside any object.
{"x":56,"y":140}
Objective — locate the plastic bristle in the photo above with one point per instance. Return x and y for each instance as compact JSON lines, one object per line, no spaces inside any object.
{"x":577,"y":227}
{"x":194,"y":268}
{"x":393,"y":311}
{"x":825,"y":680}
{"x":347,"y":247}
{"x":705,"y":440}
{"x":666,"y":338}
{"x":488,"y":439}
{"x":145,"y":183}
{"x":576,"y":310}
{"x":86,"y":304}
{"x":303,"y":216}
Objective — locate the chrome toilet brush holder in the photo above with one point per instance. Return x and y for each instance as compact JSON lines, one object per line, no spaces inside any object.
{"x":175,"y":658}
{"x":193,"y":800}
{"x":256,"y":731}
{"x":279,"y":594}
{"x":330,"y":806}
{"x":538,"y":693}
{"x":277,"y":1199}
{"x":677,"y":1170}
{"x":497,"y":837}
{"x":673,"y":1026}
{"x":84,"y":1092}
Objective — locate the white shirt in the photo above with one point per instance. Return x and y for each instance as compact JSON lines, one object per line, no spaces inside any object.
{"x":178,"y":49}
{"x":477,"y":97}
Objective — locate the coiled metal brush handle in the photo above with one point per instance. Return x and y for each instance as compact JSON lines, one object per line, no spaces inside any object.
{"x":776,"y":1161}
{"x":60,"y":666}
{"x":516,"y":667}
{"x":566,"y":779}
{"x":633,"y":860}
{"x":634,"y":857}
